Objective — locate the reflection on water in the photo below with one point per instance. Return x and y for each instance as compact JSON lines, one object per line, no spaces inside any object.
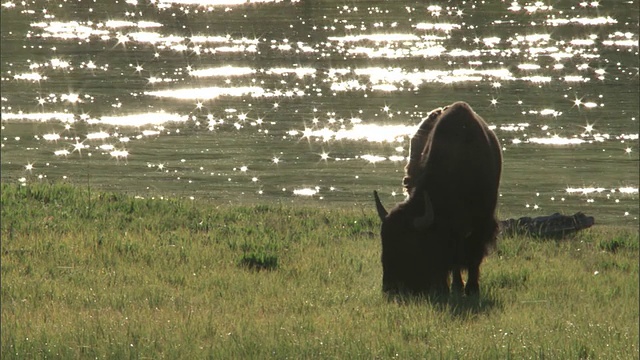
{"x":157,"y":118}
{"x":253,"y":99}
{"x":589,"y":190}
{"x":62,"y":117}
{"x":210,"y":93}
{"x":366,"y":132}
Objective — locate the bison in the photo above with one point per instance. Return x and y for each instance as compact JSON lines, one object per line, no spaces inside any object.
{"x":448,"y":223}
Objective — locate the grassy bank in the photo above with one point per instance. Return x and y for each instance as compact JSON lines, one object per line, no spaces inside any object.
{"x":111,"y":276}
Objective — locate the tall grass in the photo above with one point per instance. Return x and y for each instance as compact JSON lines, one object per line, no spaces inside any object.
{"x":108,"y":275}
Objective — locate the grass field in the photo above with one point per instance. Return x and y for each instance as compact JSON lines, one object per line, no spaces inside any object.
{"x":101,"y":275}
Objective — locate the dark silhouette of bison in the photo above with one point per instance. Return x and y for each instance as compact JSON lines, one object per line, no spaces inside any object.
{"x":448,"y":222}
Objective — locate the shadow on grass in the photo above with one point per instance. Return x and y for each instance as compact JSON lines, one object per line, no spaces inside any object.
{"x":459,"y":306}
{"x":465,"y":306}
{"x":259,"y":262}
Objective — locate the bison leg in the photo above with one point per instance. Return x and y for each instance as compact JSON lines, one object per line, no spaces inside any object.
{"x":476,"y":249}
{"x":442,"y":284}
{"x":456,"y":281}
{"x":473,"y":285}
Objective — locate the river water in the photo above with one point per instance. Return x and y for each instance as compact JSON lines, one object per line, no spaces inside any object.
{"x":314,"y":102}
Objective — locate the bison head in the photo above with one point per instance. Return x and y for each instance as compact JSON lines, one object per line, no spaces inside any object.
{"x":411,"y":254}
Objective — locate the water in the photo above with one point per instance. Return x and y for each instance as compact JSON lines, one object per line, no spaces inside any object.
{"x":313,"y":102}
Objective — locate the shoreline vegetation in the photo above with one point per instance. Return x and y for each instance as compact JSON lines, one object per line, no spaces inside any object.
{"x":93,"y":274}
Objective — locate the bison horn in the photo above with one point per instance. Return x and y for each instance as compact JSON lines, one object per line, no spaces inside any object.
{"x":382,"y":212}
{"x":424,"y":221}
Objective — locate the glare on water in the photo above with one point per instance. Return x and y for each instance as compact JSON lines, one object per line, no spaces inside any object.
{"x":262,"y":100}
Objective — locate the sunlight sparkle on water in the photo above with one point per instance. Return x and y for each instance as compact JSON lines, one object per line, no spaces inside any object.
{"x":528,"y":66}
{"x":389,"y":79}
{"x":123,"y":23}
{"x":324,"y":156}
{"x":217,"y":2}
{"x":437,"y":26}
{"x":538,"y":79}
{"x":222,"y":71}
{"x":100,"y":135}
{"x":575,"y":78}
{"x":300,"y":72}
{"x":375,"y":37}
{"x":150,"y":132}
{"x":514,"y":127}
{"x":589,"y":104}
{"x":42,"y":117}
{"x":35,"y":77}
{"x":628,"y":190}
{"x":119,"y":154}
{"x":591,"y":190}
{"x":585,"y":191}
{"x":583,"y":21}
{"x":530,"y":7}
{"x":51,"y":137}
{"x":215,"y":92}
{"x":556,"y":140}
{"x":373,"y":158}
{"x":78,"y":146}
{"x":588,"y":128}
{"x":367,"y":132}
{"x":305,"y":191}
{"x":155,"y":118}
{"x":339,"y":91}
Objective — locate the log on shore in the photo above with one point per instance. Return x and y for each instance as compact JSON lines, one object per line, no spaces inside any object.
{"x":554,"y":226}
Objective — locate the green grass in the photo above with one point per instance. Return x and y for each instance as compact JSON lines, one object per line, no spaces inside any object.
{"x":105,"y":275}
